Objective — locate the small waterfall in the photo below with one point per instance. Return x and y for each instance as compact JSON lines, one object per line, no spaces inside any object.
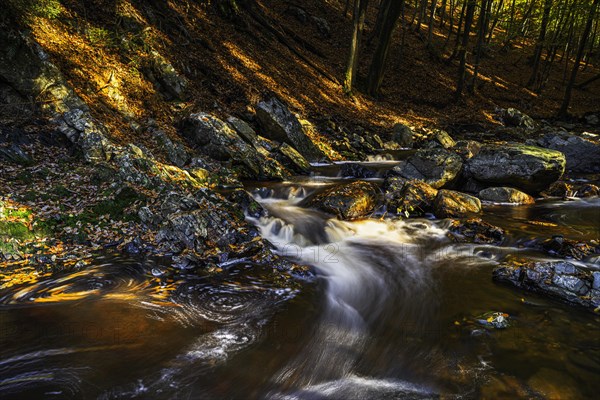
{"x":367,"y":266}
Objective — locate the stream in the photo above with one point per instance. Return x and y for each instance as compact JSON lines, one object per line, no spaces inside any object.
{"x":391,"y":313}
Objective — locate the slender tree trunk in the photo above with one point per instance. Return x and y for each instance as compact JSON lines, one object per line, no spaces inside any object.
{"x":346,"y":8}
{"x":421,"y":15}
{"x":458,"y":31}
{"x":360,"y":8}
{"x":443,"y":13}
{"x":482,"y":24}
{"x":462,"y":52}
{"x":511,"y":26}
{"x":495,"y":22}
{"x":451,"y":25}
{"x":564,"y":108}
{"x":539,"y":46}
{"x":526,"y":17}
{"x":431,"y":20}
{"x":393,"y":8}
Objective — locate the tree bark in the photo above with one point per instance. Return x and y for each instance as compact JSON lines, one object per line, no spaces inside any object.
{"x":393,"y":9}
{"x":564,"y":108}
{"x":539,"y":46}
{"x":462,"y":51}
{"x":360,"y":10}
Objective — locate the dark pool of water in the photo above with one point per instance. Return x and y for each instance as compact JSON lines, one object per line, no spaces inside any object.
{"x":392,"y":314}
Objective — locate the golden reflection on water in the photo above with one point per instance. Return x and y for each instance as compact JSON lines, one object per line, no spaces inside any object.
{"x":38,"y":288}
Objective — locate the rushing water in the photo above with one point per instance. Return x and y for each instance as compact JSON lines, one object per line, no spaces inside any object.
{"x":392,"y":313}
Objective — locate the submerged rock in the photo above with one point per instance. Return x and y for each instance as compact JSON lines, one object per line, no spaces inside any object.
{"x":476,"y":231}
{"x":505,"y":195}
{"x":588,"y":190}
{"x":436,"y":167}
{"x":355,"y":170}
{"x":558,"y":279}
{"x":348,"y":201}
{"x":559,"y":189}
{"x":278,"y":123}
{"x":582,"y":155}
{"x":411,"y":197}
{"x":449,"y":203}
{"x":529,"y":168}
{"x":559,"y":246}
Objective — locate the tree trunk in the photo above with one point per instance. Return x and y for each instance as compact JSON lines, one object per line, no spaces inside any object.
{"x":482,"y":26}
{"x":393,"y":9}
{"x":360,"y":8}
{"x":458,"y":30}
{"x":539,"y":46}
{"x":462,"y":51}
{"x":564,"y":108}
{"x":431,"y":19}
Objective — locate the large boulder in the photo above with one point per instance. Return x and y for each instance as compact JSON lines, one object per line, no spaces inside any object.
{"x":582,"y":155}
{"x":219,"y":141}
{"x":408,"y":196}
{"x":436,"y":167}
{"x":560,"y":279}
{"x":505,"y":195}
{"x":452,"y":204}
{"x":529,"y":168}
{"x":349,"y":201}
{"x":278,"y":123}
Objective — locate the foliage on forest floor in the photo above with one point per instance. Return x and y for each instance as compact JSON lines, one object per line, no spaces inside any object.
{"x":55,"y":213}
{"x":114,"y":54}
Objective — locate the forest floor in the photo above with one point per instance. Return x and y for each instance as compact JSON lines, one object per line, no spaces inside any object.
{"x":105,"y":51}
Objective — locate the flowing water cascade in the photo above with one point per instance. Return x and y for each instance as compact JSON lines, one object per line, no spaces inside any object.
{"x":390,"y":313}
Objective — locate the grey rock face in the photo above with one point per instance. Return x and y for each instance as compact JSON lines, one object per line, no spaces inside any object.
{"x":436,"y":167}
{"x":505,"y":195}
{"x":529,"y":168}
{"x":278,"y":123}
{"x":217,"y":140}
{"x":243,"y":129}
{"x":582,"y":155}
{"x":559,"y":279}
{"x":403,"y":135}
{"x":80,"y":128}
{"x":25,"y":66}
{"x":176,"y":153}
